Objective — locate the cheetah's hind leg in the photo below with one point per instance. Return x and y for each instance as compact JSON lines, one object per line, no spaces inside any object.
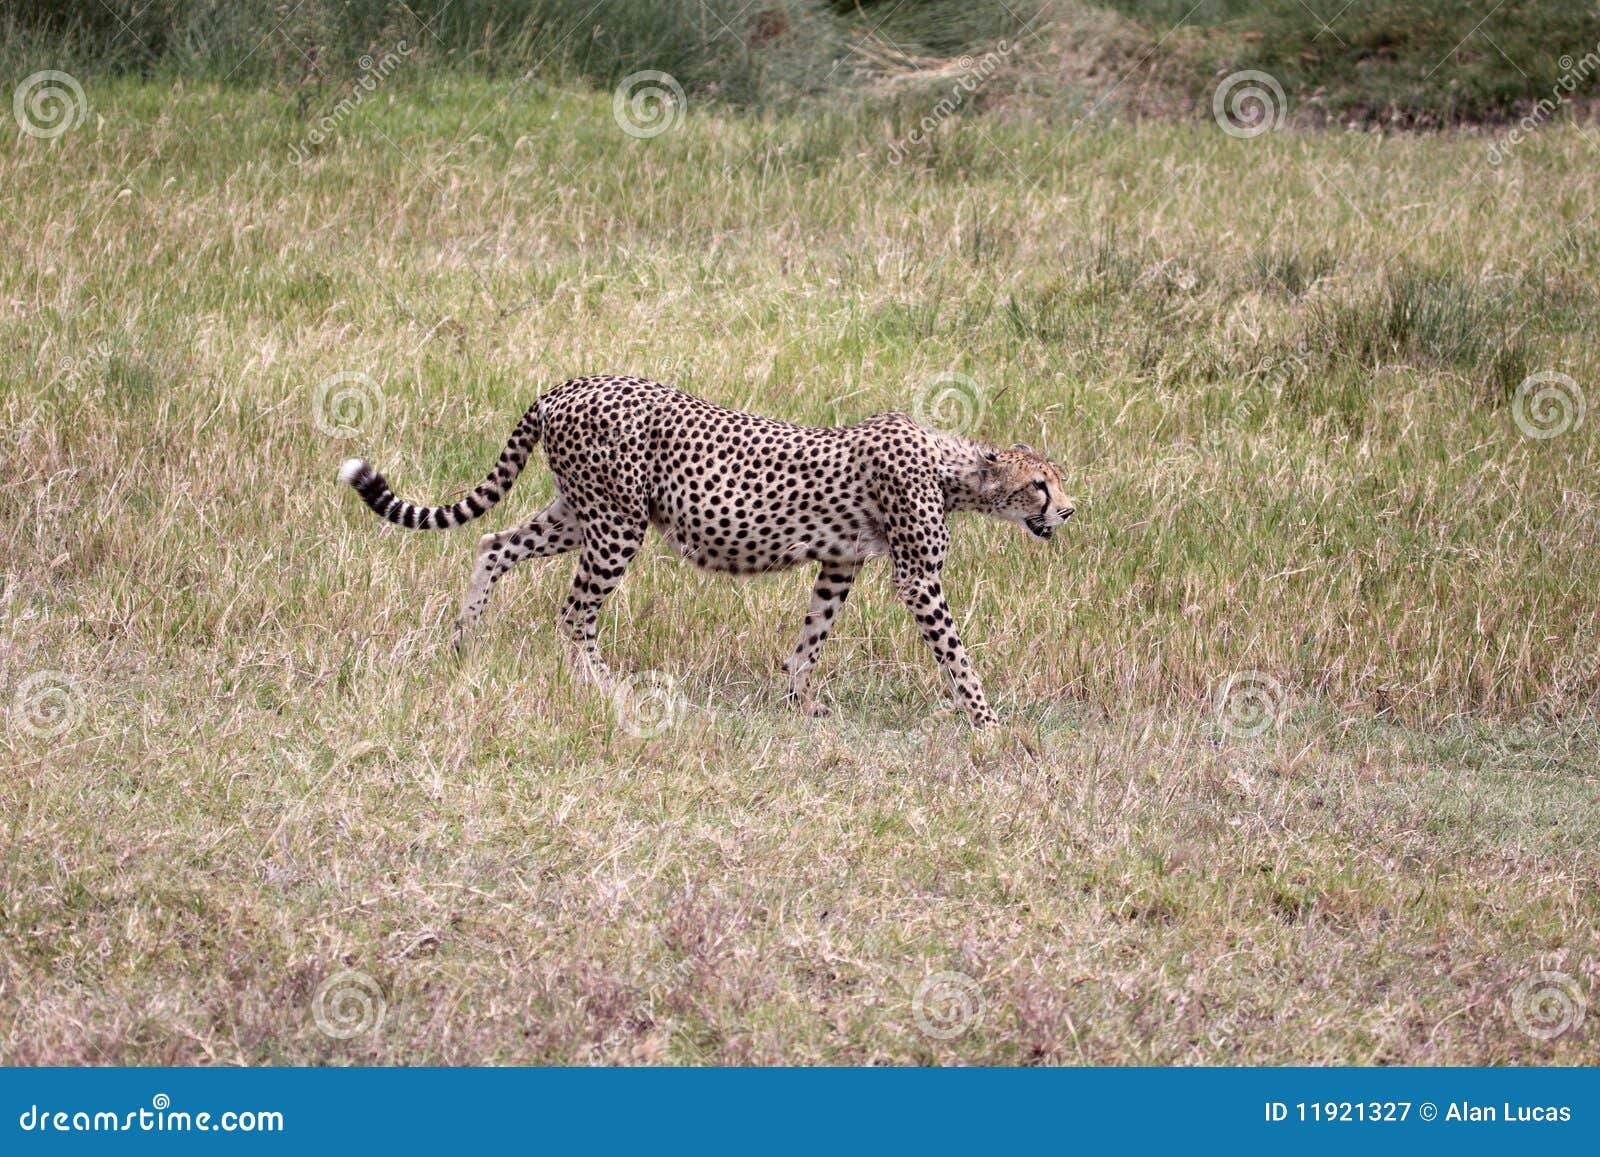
{"x":552,"y":531}
{"x":609,"y":545}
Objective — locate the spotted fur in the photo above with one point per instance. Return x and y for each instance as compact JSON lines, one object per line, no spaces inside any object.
{"x":740,"y":494}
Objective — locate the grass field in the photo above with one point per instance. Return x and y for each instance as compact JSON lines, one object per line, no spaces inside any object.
{"x":1392,"y":62}
{"x":1300,"y":761}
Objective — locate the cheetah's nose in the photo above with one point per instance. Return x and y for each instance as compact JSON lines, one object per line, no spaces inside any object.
{"x":1066,"y":512}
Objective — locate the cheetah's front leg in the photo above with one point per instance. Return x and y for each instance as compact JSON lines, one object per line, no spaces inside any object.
{"x":827,"y":596}
{"x":924,"y":597}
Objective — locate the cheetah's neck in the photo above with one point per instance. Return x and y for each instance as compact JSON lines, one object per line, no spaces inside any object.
{"x":960,"y":465}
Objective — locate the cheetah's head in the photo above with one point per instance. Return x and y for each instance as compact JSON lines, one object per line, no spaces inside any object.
{"x":1023,"y":487}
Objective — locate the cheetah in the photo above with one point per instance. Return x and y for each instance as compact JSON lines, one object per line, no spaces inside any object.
{"x":739,"y":494}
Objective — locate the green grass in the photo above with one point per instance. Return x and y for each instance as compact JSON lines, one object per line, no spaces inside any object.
{"x":741,"y":53}
{"x":1276,"y":372}
{"x":1404,"y":62}
{"x":736,"y":51}
{"x":1398,"y":63}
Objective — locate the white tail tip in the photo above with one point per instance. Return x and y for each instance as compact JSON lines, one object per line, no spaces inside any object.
{"x":351,"y":470}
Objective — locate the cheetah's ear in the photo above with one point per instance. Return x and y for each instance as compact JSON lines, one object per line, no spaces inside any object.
{"x":990,"y":474}
{"x":1024,"y":447}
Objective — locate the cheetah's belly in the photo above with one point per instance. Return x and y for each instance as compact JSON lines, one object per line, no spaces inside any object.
{"x":753,"y":508}
{"x":747,"y":546}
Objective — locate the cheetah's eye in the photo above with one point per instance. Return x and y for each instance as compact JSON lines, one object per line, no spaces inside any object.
{"x":1045,"y":486}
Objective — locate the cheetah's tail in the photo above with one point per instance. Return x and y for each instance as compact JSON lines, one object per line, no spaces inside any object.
{"x":375,"y":492}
